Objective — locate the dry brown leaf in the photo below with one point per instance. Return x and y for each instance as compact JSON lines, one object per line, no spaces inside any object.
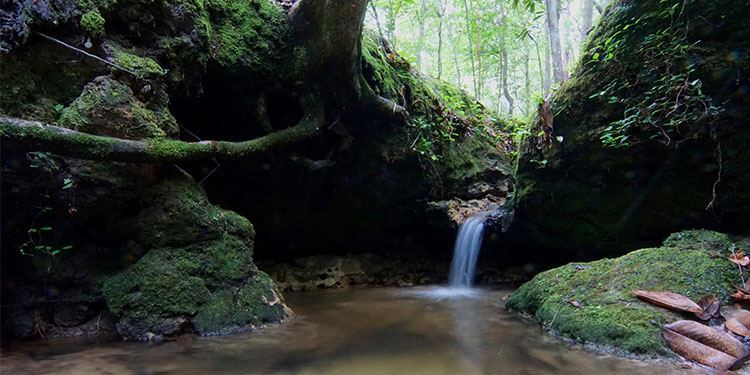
{"x":574,"y":303}
{"x":705,"y":345}
{"x":740,"y":296}
{"x":710,"y":305}
{"x":739,"y":258}
{"x":739,"y":323}
{"x":669,"y":300}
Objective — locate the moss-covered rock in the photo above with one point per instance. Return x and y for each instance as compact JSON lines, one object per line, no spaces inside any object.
{"x":255,"y":303}
{"x":625,"y":174}
{"x":108,"y":107}
{"x":92,"y":23}
{"x":202,"y":256}
{"x":692,"y":263}
{"x":39,"y":79}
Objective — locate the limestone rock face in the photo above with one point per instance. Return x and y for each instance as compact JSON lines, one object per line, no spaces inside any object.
{"x":692,"y":263}
{"x":576,"y":193}
{"x":326,"y":271}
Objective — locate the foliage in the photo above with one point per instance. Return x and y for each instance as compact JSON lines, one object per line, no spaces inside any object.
{"x":40,"y":236}
{"x":92,"y":23}
{"x":506,"y":40}
{"x":656,"y":86}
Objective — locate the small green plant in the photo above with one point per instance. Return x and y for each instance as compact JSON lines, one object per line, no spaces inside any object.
{"x":662,"y":99}
{"x":38,"y":242}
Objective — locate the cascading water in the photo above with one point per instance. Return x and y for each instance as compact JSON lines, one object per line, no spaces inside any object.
{"x":466,"y":251}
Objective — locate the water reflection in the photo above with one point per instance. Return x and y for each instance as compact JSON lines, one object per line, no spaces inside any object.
{"x":384,"y":331}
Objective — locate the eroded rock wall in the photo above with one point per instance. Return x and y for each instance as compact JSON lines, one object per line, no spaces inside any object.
{"x":649,"y":134}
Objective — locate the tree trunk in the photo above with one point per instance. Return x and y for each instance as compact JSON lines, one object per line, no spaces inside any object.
{"x":329,"y":30}
{"x":440,"y":13}
{"x":553,"y":19}
{"x":588,"y":14}
{"x":455,"y":62}
{"x":377,"y":19}
{"x":471,"y":47}
{"x":527,"y":86}
{"x":420,"y":33}
{"x":480,"y":80}
{"x":506,"y":92}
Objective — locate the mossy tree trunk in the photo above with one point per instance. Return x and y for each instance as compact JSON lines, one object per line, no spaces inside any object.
{"x":327,"y":75}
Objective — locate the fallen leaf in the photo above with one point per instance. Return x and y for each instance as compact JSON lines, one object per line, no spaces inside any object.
{"x":669,"y":300}
{"x":710,"y":305}
{"x":575,"y":303}
{"x":740,"y":296}
{"x":739,"y":323}
{"x":739,"y":258}
{"x":705,"y":345}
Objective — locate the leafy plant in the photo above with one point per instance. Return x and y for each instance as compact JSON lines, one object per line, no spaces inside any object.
{"x":663,"y":99}
{"x":38,"y":236}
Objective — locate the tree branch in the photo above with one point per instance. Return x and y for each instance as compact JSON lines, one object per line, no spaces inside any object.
{"x":25,"y":136}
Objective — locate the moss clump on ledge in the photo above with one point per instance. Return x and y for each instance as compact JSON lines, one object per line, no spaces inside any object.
{"x":693,"y":263}
{"x":108,"y":107}
{"x":92,"y":23}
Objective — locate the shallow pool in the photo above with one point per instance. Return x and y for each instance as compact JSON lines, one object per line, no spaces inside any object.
{"x":409,"y":331}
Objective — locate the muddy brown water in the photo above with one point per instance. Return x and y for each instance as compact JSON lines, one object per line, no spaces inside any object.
{"x":367,"y":331}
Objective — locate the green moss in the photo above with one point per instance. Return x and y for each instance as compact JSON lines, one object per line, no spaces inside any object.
{"x":199,"y":265}
{"x":92,"y":23}
{"x":248,"y":33}
{"x":451,"y":130}
{"x":609,"y":313}
{"x":144,"y":67}
{"x":108,"y":107}
{"x":39,"y":77}
{"x":257,"y":302}
{"x":157,"y":286}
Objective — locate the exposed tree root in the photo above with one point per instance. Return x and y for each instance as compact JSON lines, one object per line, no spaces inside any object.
{"x":22,"y":135}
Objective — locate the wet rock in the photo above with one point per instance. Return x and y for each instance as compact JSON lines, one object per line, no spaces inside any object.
{"x":691,"y":263}
{"x":71,"y":314}
{"x":586,"y":200}
{"x":325,"y":271}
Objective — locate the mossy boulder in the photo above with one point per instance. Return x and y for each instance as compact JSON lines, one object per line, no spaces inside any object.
{"x":202,"y":256}
{"x":108,"y":107}
{"x":624,"y":175}
{"x":692,"y":263}
{"x":253,"y":304}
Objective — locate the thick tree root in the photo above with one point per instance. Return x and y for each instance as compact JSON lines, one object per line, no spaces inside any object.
{"x":25,"y":136}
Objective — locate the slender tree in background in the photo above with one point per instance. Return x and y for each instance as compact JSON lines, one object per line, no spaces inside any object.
{"x":440,"y":11}
{"x":553,"y":21}
{"x":471,"y":52}
{"x":421,"y":18}
{"x":586,"y":17}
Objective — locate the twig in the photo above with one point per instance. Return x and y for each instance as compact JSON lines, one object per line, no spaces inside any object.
{"x":416,"y":139}
{"x":742,"y":278}
{"x":85,"y":53}
{"x":565,"y":300}
{"x":718,"y":177}
{"x":214,"y":159}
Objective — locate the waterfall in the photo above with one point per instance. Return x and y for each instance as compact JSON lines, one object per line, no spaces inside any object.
{"x":465,"y":253}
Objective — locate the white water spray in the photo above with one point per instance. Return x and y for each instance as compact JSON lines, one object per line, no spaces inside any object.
{"x":466,"y":251}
